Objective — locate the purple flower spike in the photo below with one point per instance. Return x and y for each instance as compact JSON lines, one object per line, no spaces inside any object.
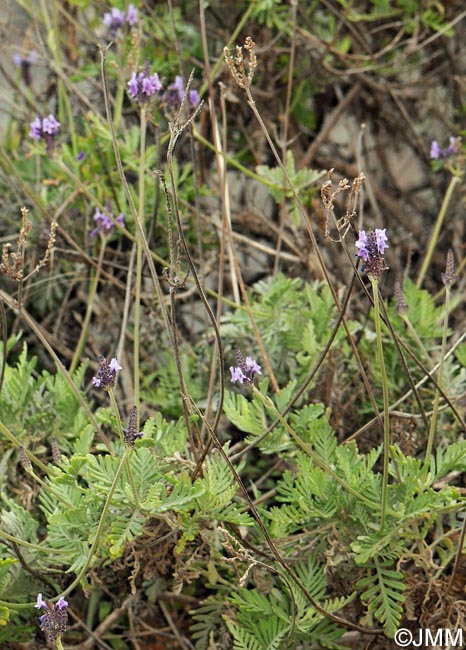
{"x":131,"y":434}
{"x":46,"y":129}
{"x":144,"y":85}
{"x":437,"y":153}
{"x":116,"y":18}
{"x":175,"y":94}
{"x":24,"y":63}
{"x":54,"y":621}
{"x":104,"y":223}
{"x":371,"y":247}
{"x":106,"y":375}
{"x":245,"y":370}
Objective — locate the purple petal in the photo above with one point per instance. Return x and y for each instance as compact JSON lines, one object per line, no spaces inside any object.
{"x":435,"y":151}
{"x":41,"y":602}
{"x":61,"y":603}
{"x":194,"y":98}
{"x":50,"y":125}
{"x":132,"y":15}
{"x":36,"y":129}
{"x":237,"y":375}
{"x":133,"y":86}
{"x":252,"y":366}
{"x":114,"y":365}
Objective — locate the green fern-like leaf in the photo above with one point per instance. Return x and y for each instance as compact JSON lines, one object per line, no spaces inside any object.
{"x":382,"y":591}
{"x":208,"y":618}
{"x":450,"y":459}
{"x":247,"y":415}
{"x":123,"y":529}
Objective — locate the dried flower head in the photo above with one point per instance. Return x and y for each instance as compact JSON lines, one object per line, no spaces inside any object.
{"x":245,"y":370}
{"x":371,"y":247}
{"x":131,"y":434}
{"x":449,"y":277}
{"x":144,"y":85}
{"x":106,"y":375}
{"x":54,"y":621}
{"x":12,"y":263}
{"x":241,"y":69}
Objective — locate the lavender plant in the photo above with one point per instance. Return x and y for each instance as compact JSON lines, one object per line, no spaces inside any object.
{"x":188,"y":453}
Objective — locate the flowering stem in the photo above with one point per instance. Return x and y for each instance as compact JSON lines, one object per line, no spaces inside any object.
{"x":433,"y":422}
{"x":139,"y":235}
{"x":311,"y":453}
{"x":386,"y":405}
{"x":116,"y":411}
{"x":438,"y":225}
{"x":59,"y":644}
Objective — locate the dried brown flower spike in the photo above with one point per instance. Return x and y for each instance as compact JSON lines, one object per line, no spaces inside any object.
{"x":242,"y":70}
{"x":12,"y":263}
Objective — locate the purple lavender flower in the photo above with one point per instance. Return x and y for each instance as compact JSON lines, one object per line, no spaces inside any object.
{"x":50,"y":125}
{"x":36,"y":129}
{"x":41,"y":603}
{"x":19,"y":60}
{"x":116,"y":18}
{"x":46,"y":129}
{"x":194,"y":98}
{"x":437,"y":153}
{"x":54,"y":621}
{"x":143,"y":86}
{"x":371,"y":247}
{"x":106,"y":375}
{"x":132,"y":15}
{"x":175,"y":94}
{"x":245,"y":370}
{"x":131,"y":434}
{"x":104,"y":223}
{"x":25,"y":64}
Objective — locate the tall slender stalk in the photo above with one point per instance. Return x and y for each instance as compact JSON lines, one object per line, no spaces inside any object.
{"x":139,"y":251}
{"x":386,"y":404}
